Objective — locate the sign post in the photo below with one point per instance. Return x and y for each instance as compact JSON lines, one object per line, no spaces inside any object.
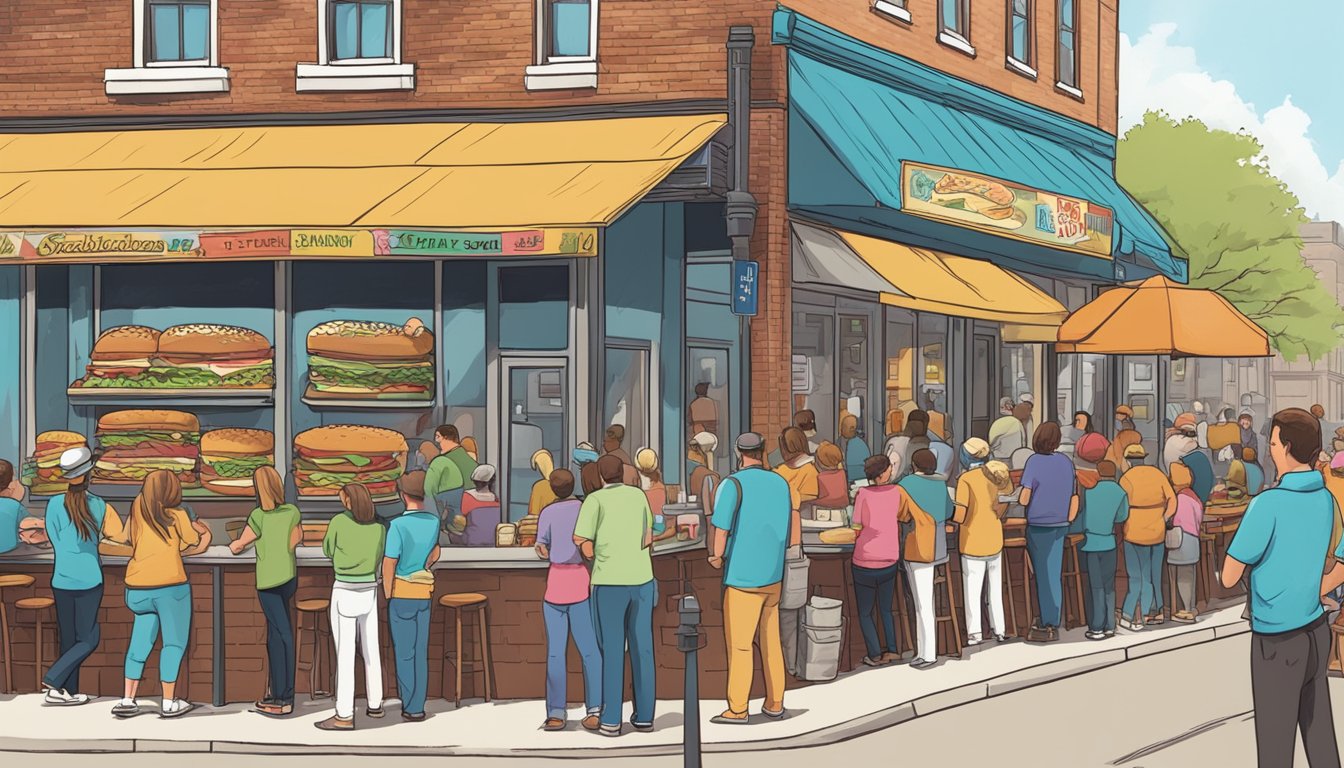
{"x":746,"y":289}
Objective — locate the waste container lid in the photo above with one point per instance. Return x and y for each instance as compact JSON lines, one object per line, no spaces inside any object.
{"x":823,"y":603}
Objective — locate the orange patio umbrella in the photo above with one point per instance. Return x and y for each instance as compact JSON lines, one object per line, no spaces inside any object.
{"x":1159,"y":317}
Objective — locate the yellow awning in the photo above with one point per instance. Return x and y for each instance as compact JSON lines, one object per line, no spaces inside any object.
{"x":425,"y":175}
{"x":930,"y":281}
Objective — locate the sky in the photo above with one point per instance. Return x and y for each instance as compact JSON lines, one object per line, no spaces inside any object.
{"x":1273,"y":69}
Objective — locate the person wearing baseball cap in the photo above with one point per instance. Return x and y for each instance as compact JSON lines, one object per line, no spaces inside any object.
{"x":979,"y":512}
{"x":1124,"y":417}
{"x":410,"y":552}
{"x":753,"y":518}
{"x":1152,"y":502}
{"x":700,"y":462}
{"x":76,"y":520}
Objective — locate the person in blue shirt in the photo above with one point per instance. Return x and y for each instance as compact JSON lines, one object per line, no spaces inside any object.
{"x":408,"y":584}
{"x":12,"y":513}
{"x":929,"y":491}
{"x":1284,"y":540}
{"x":856,"y":451}
{"x":753,"y":516}
{"x":1104,"y":506}
{"x":76,"y":521}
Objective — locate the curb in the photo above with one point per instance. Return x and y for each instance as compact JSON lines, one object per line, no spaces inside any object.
{"x":1018,"y":680}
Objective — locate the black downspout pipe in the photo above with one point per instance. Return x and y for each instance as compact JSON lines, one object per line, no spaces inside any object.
{"x":740,"y":211}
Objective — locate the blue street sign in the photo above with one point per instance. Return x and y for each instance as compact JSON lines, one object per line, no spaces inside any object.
{"x":746,"y":288}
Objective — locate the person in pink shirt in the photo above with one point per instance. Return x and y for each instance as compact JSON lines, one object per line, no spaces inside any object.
{"x":878,"y":511}
{"x":1184,"y":560}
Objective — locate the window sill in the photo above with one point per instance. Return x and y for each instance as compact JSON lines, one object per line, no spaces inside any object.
{"x":893,"y":10}
{"x":953,"y":40}
{"x":152,"y":80}
{"x":1069,"y":90}
{"x":558,"y":76}
{"x":354,"y":77}
{"x":1021,"y":67}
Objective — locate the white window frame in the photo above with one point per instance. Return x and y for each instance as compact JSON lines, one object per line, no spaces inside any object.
{"x":894,"y":8}
{"x":1071,"y":89}
{"x":957,"y":39}
{"x":1022,"y":66}
{"x":376,"y":74}
{"x":562,"y":72}
{"x":166,"y":77}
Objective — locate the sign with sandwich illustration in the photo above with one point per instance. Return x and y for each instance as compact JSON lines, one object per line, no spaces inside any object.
{"x":199,"y":356}
{"x":364,"y":360}
{"x":1006,"y":209}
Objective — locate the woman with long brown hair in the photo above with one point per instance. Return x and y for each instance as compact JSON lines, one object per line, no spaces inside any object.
{"x":355,"y":541}
{"x":75,"y":521}
{"x":160,"y":534}
{"x":274,"y":527}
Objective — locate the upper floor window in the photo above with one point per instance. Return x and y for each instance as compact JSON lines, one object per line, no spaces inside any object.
{"x":1067,"y":59}
{"x":893,"y":8}
{"x":566,"y":45}
{"x":358,"y":48}
{"x":954,"y":24}
{"x":174,"y":49}
{"x":1019,"y":30}
{"x":177,"y":32}
{"x":360,"y":30}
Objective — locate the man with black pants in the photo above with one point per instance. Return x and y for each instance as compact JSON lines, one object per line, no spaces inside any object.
{"x":1283,"y":539}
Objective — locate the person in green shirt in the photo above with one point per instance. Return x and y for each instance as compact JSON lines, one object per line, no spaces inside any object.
{"x":274,"y":528}
{"x":449,"y":472}
{"x":354,"y":542}
{"x":615,"y":531}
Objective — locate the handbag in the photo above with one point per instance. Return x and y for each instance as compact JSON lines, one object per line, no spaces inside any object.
{"x":795,"y":584}
{"x":1175,"y":536}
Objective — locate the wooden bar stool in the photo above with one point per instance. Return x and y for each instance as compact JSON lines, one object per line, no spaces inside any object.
{"x":457,"y":604}
{"x":1017,"y":575}
{"x":39,"y":607}
{"x":1336,"y":653}
{"x":947,"y":626}
{"x":9,"y":581}
{"x":1072,"y":576}
{"x":903,"y":610}
{"x":1204,"y":585}
{"x":313,"y":617}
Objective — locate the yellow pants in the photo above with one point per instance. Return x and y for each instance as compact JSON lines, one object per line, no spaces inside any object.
{"x":753,"y":614}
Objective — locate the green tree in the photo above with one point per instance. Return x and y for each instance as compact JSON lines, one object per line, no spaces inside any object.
{"x":1237,"y":223}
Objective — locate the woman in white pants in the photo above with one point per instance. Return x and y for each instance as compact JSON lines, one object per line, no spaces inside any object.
{"x":354,"y":542}
{"x":925,"y":548}
{"x":980,"y":511}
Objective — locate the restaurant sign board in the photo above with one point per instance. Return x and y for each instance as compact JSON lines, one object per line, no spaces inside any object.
{"x":96,"y":246}
{"x":1006,"y":209}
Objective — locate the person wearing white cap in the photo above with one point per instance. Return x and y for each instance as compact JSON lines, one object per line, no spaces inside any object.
{"x":481,"y":508}
{"x":700,"y":461}
{"x":76,"y":521}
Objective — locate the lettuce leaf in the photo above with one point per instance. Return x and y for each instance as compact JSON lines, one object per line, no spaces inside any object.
{"x":132,"y":439}
{"x":234,"y":468}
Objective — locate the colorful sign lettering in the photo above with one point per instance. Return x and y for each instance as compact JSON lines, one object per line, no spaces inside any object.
{"x":1007,"y":209}
{"x":330,"y":242}
{"x":238,"y":245}
{"x":530,"y":242}
{"x":95,"y":246}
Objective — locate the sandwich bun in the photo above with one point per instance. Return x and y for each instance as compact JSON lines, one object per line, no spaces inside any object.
{"x":237,"y":443}
{"x":150,"y":421}
{"x":61,"y":437}
{"x":125,"y":342}
{"x":368,"y":340}
{"x":205,"y":340}
{"x":340,"y":439}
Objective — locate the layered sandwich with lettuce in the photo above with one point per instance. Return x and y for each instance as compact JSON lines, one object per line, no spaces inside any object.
{"x":195,"y":356}
{"x":230,"y":456}
{"x":137,"y":442}
{"x":363,"y":360}
{"x":328,"y":458}
{"x":42,"y":471}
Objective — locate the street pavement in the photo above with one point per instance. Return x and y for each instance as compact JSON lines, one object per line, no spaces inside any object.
{"x":1188,"y":707}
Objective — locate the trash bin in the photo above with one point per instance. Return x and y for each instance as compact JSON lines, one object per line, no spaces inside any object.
{"x":823,"y":612}
{"x":820,"y":639}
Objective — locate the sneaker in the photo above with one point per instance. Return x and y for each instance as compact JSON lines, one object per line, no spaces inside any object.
{"x":1095,"y":635}
{"x":335,"y":723}
{"x":1183,"y":617}
{"x":1132,"y":626}
{"x":591,"y":723}
{"x":57,"y":697}
{"x":176,"y":708}
{"x":123,"y":709}
{"x":972,"y":640}
{"x":922,"y":664}
{"x":375,"y":713}
{"x":1109,"y":633}
{"x":413,"y":717}
{"x":272,"y":708}
{"x":643,"y":727}
{"x":1003,"y":639}
{"x":553,"y":724}
{"x":777,"y":714}
{"x":1155,"y":619}
{"x":610,"y":730}
{"x":729,"y":717}
{"x":873,"y":662}
{"x":1038,"y":634}
{"x":892,"y":657}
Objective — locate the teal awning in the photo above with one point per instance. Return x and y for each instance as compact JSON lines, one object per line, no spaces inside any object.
{"x":858,"y":114}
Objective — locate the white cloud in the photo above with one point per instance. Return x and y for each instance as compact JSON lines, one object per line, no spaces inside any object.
{"x":1155,"y":74}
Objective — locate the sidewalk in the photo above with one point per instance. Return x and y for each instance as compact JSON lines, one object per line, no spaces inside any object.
{"x":856,"y":704}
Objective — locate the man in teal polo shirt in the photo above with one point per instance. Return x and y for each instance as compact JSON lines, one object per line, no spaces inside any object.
{"x":1283,"y":539}
{"x":751,"y":518}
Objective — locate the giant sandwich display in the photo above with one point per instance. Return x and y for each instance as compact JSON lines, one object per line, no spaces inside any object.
{"x":195,"y":356}
{"x":364,"y":360}
{"x":230,"y":456}
{"x":42,"y":471}
{"x":331,"y":457}
{"x":134,"y":443}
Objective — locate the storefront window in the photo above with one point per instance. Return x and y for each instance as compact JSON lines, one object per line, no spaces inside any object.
{"x":1023,"y":375}
{"x":813,"y":374}
{"x":626,"y":403}
{"x":534,"y":307}
{"x":900,"y":369}
{"x":933,"y":371}
{"x":1082,"y":387}
{"x":1140,"y":392}
{"x":707,"y":410}
{"x":464,"y":366}
{"x":853,"y":365}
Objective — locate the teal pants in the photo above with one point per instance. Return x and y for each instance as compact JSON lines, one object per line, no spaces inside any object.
{"x":165,"y":610}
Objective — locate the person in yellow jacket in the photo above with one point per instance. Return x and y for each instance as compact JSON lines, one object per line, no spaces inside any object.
{"x":1152,"y":502}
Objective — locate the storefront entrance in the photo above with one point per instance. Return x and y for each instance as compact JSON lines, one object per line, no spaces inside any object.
{"x":535,"y":395}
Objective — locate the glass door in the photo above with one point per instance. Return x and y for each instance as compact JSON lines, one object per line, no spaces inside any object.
{"x":536,"y":398}
{"x":709,"y":404}
{"x":984,"y":372}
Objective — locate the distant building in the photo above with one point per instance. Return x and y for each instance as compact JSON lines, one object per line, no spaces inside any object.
{"x":1300,"y":383}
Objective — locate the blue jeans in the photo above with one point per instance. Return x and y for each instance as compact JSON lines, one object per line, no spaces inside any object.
{"x":77,"y":621}
{"x":1143,"y":566}
{"x":165,"y":610}
{"x":563,"y":621}
{"x":277,"y":605}
{"x":1101,"y":590}
{"x":624,"y":616}
{"x":876,"y":587}
{"x":408,"y":622}
{"x":1045,"y":546}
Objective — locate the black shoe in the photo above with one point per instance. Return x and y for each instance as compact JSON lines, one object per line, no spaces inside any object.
{"x":642,"y":727}
{"x":413,"y":718}
{"x":374,"y":713}
{"x":1003,"y":639}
